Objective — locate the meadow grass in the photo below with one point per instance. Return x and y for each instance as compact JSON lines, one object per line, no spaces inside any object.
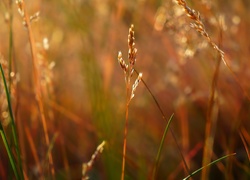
{"x":67,"y":114}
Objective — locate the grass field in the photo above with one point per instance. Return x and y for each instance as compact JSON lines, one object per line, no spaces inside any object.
{"x":74,"y":106}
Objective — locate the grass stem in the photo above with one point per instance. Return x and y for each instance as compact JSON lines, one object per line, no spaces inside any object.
{"x":160,"y":147}
{"x":37,"y":84}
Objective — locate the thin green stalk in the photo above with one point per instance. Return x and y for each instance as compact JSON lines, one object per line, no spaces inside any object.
{"x":49,"y":152}
{"x":9,"y":152}
{"x":161,"y":145}
{"x":164,"y":118}
{"x":215,"y":161}
{"x":13,"y":126}
{"x":10,"y":60}
{"x":53,"y":140}
{"x":10,"y":43}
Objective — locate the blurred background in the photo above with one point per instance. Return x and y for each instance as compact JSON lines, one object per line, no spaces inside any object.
{"x":84,"y":92}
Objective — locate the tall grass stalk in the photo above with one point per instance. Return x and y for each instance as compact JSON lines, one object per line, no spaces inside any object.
{"x":36,"y":77}
{"x":128,"y":69}
{"x":211,"y":119}
{"x":33,"y":150}
{"x":160,"y":147}
{"x":14,"y":132}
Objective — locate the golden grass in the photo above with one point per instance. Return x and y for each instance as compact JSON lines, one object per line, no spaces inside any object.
{"x":36,"y":76}
{"x":67,"y":110}
{"x":128,"y":69}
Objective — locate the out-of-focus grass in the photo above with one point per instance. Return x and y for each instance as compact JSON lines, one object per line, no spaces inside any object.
{"x":85,"y":93}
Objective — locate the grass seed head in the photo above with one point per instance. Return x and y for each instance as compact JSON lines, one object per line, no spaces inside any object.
{"x":131,"y":45}
{"x":135,"y":85}
{"x":122,"y":63}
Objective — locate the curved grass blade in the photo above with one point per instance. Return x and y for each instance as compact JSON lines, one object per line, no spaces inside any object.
{"x":164,"y":118}
{"x":215,"y":161}
{"x":13,"y":126}
{"x":161,"y":145}
{"x":9,"y":152}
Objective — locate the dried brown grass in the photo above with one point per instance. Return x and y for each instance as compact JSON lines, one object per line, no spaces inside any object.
{"x":212,"y":112}
{"x":176,"y":69}
{"x":36,"y":76}
{"x":128,"y":69}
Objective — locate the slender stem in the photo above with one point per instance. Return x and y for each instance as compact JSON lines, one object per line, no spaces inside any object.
{"x":244,"y":143}
{"x":210,"y":119}
{"x":10,"y":154}
{"x":161,"y":145}
{"x":125,"y":128}
{"x":9,"y":79}
{"x":10,"y":44}
{"x":37,"y":84}
{"x":165,"y":119}
{"x":13,"y":126}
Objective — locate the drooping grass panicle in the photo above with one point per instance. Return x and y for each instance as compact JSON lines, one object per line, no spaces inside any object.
{"x":200,"y":27}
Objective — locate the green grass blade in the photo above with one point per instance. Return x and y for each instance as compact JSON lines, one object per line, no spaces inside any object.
{"x":10,"y":43}
{"x":13,"y":126}
{"x":215,"y":161}
{"x":165,"y":119}
{"x":51,"y":145}
{"x":9,"y":152}
{"x":161,"y":145}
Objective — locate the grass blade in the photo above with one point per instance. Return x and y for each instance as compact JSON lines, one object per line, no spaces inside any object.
{"x":215,"y":161}
{"x":9,"y":152}
{"x":161,"y":145}
{"x":165,"y":119}
{"x":244,"y":143}
{"x":13,"y":126}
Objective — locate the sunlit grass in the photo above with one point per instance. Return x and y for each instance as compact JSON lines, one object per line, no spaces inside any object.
{"x":65,"y":92}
